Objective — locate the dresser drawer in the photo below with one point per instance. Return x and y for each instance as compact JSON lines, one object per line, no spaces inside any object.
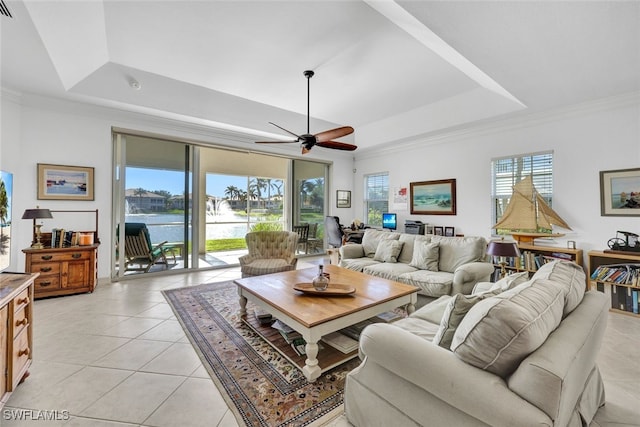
{"x":45,"y":268}
{"x":20,"y":321}
{"x":59,"y":256}
{"x":21,"y":301}
{"x":47,"y":283}
{"x":21,"y":355}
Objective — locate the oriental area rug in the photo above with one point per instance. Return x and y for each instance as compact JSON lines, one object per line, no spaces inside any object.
{"x":261,"y":386}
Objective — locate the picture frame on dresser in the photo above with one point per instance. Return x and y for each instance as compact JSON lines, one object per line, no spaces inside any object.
{"x":619,"y":195}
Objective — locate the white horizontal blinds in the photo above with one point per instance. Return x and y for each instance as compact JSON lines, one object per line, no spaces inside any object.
{"x":508,"y":171}
{"x":376,"y":195}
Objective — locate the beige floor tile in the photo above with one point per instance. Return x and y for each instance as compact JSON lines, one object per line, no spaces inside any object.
{"x":184,"y":406}
{"x":135,"y":399}
{"x":179,"y":359}
{"x":132,"y":327}
{"x":158,"y":311}
{"x":92,"y":422}
{"x":133,"y":355}
{"x":80,"y":349}
{"x":167,"y":330}
{"x":82,"y":389}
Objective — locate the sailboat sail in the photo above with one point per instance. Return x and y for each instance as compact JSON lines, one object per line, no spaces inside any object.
{"x":528,"y":212}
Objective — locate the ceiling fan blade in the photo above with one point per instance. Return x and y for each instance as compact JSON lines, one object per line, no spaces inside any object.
{"x":274,"y":142}
{"x":337,"y":145}
{"x":334,"y":133}
{"x":287,"y":131}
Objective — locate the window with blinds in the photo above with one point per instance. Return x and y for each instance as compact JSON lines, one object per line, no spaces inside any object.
{"x":376,"y":197}
{"x":507,"y":171}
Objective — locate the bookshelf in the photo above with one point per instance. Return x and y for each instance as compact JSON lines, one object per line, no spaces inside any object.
{"x":532,"y":257}
{"x":617,"y":274}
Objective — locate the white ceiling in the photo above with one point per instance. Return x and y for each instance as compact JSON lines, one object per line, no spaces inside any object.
{"x":392,"y":70}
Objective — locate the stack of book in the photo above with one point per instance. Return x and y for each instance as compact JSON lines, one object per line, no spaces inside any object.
{"x":622,"y":274}
{"x":341,"y":342}
{"x":263,"y":317}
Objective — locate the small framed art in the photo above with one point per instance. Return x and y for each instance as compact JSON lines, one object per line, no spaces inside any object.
{"x":619,"y":192}
{"x":343,"y":199}
{"x":57,"y":182}
{"x":438,"y":231}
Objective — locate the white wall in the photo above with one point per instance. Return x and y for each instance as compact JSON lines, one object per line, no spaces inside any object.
{"x":585,"y":139}
{"x":42,"y":130}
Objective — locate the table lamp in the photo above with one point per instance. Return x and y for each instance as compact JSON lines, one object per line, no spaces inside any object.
{"x":503,"y":249}
{"x":34,"y":214}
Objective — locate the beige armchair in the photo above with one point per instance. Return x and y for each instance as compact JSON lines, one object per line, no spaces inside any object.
{"x":269,"y":252}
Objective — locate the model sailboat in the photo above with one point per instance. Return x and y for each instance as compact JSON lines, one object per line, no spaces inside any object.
{"x":528,"y":216}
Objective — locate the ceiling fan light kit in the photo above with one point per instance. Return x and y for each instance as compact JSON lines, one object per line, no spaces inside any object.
{"x":322,"y":139}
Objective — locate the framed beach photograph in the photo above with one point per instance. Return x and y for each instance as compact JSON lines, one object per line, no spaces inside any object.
{"x":620,"y":192}
{"x":433,"y":197}
{"x":6,"y":196}
{"x":58,"y":182}
{"x":343,"y":199}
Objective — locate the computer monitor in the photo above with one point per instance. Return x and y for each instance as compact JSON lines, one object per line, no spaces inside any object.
{"x":389,"y":221}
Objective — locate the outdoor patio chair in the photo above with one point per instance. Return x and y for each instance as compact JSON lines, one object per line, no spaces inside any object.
{"x":140,"y":253}
{"x":303,"y":236}
{"x":269,"y":252}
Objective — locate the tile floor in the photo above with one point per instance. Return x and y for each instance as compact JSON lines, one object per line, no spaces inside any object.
{"x":118,"y":357}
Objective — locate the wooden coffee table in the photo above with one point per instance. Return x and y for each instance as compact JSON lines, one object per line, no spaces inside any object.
{"x":315,"y":316}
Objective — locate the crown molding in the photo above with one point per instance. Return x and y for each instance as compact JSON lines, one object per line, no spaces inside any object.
{"x":512,"y":121}
{"x":10,"y":95}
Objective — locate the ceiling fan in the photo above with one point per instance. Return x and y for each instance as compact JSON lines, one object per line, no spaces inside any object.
{"x":322,"y":139}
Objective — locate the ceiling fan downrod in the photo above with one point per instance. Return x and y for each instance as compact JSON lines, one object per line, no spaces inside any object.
{"x":308,"y":74}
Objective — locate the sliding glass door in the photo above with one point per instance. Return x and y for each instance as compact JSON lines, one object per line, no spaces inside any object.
{"x":153,"y":214}
{"x":309,"y":205}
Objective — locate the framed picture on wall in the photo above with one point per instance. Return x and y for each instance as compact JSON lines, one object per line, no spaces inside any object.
{"x":57,"y":182}
{"x":620,"y":192}
{"x":343,"y":199}
{"x":433,"y":197}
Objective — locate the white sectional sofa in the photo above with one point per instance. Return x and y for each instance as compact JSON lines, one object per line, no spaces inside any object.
{"x":524,"y":356}
{"x":437,"y":265}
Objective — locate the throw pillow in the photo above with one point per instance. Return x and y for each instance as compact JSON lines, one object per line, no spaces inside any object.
{"x":570,"y":276}
{"x":510,"y":281}
{"x":458,"y":306}
{"x":388,"y":251}
{"x":500,"y":332}
{"x":425,"y":256}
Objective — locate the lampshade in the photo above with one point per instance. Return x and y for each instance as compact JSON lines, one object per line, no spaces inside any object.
{"x":503,"y":248}
{"x":36,"y":213}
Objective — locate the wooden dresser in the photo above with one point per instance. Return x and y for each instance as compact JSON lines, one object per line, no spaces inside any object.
{"x":63,"y":271}
{"x":16,"y":331}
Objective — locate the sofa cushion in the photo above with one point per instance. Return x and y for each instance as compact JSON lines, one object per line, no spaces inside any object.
{"x":419,"y":327}
{"x":456,"y":251}
{"x":372,"y":237}
{"x":458,"y":306}
{"x":387,"y":270}
{"x":499,"y":332}
{"x":433,"y":311}
{"x":431,"y":283}
{"x":388,"y":251}
{"x":408,"y":242}
{"x":357,"y":264}
{"x":570,"y":276}
{"x":425,"y":256}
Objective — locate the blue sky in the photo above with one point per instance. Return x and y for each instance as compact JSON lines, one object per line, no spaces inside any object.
{"x":173,"y":181}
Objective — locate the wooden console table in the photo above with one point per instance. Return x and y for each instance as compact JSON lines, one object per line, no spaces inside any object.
{"x":16,"y":330}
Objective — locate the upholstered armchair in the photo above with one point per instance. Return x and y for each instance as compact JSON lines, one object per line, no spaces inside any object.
{"x":269,"y":252}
